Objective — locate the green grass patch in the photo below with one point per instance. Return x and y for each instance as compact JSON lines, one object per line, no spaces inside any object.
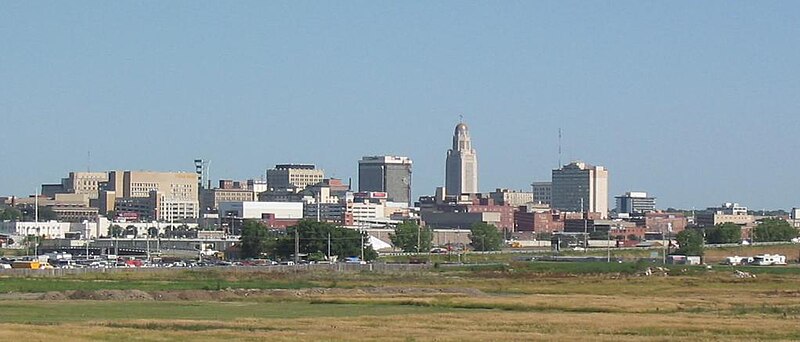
{"x":451,"y":304}
{"x":549,"y":267}
{"x":185,"y":326}
{"x":84,"y":311}
{"x":65,"y":284}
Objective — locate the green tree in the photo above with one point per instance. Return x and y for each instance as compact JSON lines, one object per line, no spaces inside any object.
{"x":256,"y":240}
{"x":115,"y":230}
{"x":774,"y":229}
{"x":598,"y":235}
{"x":690,"y":242}
{"x":410,"y":237}
{"x":485,"y":237}
{"x":47,"y":214}
{"x":10,"y":214}
{"x":724,"y":233}
{"x":131,"y":230}
{"x":314,"y":238}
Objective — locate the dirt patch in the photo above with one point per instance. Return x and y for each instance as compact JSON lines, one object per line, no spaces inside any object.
{"x":19,"y":296}
{"x":111,"y":295}
{"x":54,"y":295}
{"x":239,"y":294}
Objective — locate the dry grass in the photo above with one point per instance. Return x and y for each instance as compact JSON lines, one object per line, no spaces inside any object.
{"x":511,"y":305}
{"x":480,"y":325}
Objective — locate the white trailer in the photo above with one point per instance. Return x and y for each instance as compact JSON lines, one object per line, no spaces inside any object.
{"x":769,"y":260}
{"x":735,"y":260}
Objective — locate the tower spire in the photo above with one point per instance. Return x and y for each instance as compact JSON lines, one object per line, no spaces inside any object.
{"x":461,"y":174}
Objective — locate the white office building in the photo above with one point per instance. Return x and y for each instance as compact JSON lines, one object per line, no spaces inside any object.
{"x":256,"y":210}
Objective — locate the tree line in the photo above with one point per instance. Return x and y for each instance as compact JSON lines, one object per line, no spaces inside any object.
{"x":320,"y":240}
{"x":691,"y":241}
{"x":316,"y":240}
{"x":410,"y":237}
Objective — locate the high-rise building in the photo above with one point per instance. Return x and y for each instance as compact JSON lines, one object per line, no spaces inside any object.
{"x":461,"y":173}
{"x":390,"y":174}
{"x":580,"y":187}
{"x":635,"y":203}
{"x":542,"y":192}
{"x":293,"y":176}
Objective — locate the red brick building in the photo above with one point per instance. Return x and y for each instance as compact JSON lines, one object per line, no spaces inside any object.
{"x":659,"y":222}
{"x":538,"y":222}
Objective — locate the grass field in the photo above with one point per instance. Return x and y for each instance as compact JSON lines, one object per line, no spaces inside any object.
{"x":515,"y":301}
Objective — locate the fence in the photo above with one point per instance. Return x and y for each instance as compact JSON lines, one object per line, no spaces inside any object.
{"x":338,"y":267}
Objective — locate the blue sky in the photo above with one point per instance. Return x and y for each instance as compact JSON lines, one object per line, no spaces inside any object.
{"x":694,"y":102}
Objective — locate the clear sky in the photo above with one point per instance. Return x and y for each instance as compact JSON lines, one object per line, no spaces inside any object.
{"x":694,"y":102}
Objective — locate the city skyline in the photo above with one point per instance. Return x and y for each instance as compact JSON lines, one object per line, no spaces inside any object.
{"x":686,"y":102}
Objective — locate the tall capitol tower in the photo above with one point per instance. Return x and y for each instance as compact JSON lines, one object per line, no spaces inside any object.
{"x":461,"y":175}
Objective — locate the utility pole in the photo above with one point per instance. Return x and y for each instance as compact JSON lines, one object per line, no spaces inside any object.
{"x":585,"y":230}
{"x":36,"y":206}
{"x":419,"y":238}
{"x":608,"y":244}
{"x":296,"y":246}
{"x":158,"y":237}
{"x":318,"y":206}
{"x":362,"y":246}
{"x":147,"y":240}
{"x":329,"y":245}
{"x":669,"y":241}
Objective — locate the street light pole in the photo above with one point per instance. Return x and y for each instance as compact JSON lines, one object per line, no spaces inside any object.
{"x":296,"y":246}
{"x":608,"y":244}
{"x":669,"y":241}
{"x":585,"y":230}
{"x":419,"y":239}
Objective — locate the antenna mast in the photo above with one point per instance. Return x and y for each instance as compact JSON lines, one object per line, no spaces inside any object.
{"x":559,"y":147}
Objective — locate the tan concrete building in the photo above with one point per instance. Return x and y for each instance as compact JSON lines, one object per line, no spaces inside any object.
{"x":85,"y":183}
{"x":211,"y":198}
{"x":172,"y":195}
{"x":511,"y":198}
{"x":581,"y":187}
{"x":293,"y":176}
{"x":726,"y":213}
{"x":88,"y":183}
{"x":181,"y":185}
